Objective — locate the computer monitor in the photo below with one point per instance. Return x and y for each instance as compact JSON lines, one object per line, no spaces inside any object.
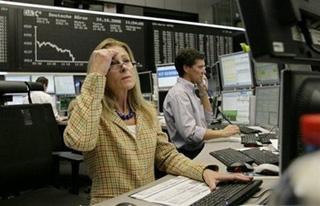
{"x":23,"y":78}
{"x":267,"y":107}
{"x":284,"y":31}
{"x":64,"y":101}
{"x":266,"y":73}
{"x":50,"y":88}
{"x":146,"y":85}
{"x":235,"y":70}
{"x":64,"y":85}
{"x":78,"y":82}
{"x":167,"y":76}
{"x":300,"y":94}
{"x":16,"y":99}
{"x":236,"y":106}
{"x":161,"y":97}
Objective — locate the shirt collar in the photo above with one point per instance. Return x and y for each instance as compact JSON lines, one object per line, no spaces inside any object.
{"x":187,"y":84}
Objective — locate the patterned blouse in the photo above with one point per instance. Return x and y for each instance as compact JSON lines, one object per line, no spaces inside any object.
{"x":119,"y":162}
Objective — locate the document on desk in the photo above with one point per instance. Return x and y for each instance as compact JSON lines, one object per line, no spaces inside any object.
{"x":179,"y":191}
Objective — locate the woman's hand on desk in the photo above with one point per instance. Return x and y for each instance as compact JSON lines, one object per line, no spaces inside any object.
{"x":212,"y":178}
{"x":230,"y":130}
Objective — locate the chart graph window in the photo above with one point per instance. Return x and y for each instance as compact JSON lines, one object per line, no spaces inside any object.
{"x":236,"y":71}
{"x":50,"y":88}
{"x":266,"y":73}
{"x":64,"y":85}
{"x":167,"y":76}
{"x":267,"y":106}
{"x":62,"y":41}
{"x":236,"y":106}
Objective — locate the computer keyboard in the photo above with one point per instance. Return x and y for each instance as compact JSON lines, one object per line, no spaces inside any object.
{"x":228,"y":156}
{"x":243,"y":129}
{"x":265,"y":138}
{"x":249,"y":140}
{"x":230,"y":194}
{"x":247,"y":130}
{"x":262,"y":156}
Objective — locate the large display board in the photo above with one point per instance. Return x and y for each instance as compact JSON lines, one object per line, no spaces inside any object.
{"x":55,"y":39}
{"x":63,"y":40}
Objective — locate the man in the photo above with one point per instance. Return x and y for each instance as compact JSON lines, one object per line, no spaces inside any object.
{"x":187,"y":115}
{"x":41,"y":97}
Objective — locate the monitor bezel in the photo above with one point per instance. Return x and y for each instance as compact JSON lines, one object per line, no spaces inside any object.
{"x":163,"y":65}
{"x":235,"y":86}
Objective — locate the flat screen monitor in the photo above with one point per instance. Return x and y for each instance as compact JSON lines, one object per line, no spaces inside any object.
{"x":167,"y":76}
{"x":236,"y":106}
{"x":300,"y":94}
{"x":146,"y":82}
{"x":78,"y":82}
{"x":235,"y":70}
{"x":16,"y":99}
{"x":161,"y":97}
{"x":23,"y":78}
{"x":64,"y":102}
{"x":267,"y":107}
{"x":266,"y":73}
{"x":64,"y":85}
{"x":50,"y":78}
{"x":283,"y":31}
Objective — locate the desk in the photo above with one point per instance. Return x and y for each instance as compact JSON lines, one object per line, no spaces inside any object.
{"x":204,"y":157}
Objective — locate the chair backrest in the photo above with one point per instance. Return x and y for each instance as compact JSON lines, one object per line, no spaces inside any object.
{"x":27,"y":138}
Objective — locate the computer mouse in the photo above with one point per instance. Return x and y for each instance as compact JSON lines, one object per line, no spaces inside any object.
{"x":125,"y":204}
{"x":240,"y":167}
{"x":267,"y":169}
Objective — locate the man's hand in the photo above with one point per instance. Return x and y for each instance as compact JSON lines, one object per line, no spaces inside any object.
{"x":230,"y":130}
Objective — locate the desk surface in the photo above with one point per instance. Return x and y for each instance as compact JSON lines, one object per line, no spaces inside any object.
{"x":204,"y":157}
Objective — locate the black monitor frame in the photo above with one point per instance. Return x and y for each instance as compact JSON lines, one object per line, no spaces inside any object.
{"x":278,"y":31}
{"x":146,"y":84}
{"x":300,"y":94}
{"x":161,"y":97}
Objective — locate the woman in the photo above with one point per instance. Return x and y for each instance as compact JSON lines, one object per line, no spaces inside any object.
{"x":118,"y":130}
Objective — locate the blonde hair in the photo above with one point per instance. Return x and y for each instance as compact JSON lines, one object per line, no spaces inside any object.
{"x":135,"y":98}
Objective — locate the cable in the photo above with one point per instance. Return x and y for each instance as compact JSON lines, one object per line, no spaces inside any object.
{"x":307,"y":36}
{"x":223,"y":116}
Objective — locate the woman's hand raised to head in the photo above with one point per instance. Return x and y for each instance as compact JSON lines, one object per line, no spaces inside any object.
{"x":212,"y":178}
{"x":101,"y":60}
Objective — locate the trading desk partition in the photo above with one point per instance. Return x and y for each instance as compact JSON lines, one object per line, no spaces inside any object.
{"x":26,"y":142}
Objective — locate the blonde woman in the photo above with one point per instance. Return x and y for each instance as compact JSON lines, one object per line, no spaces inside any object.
{"x":118,"y":132}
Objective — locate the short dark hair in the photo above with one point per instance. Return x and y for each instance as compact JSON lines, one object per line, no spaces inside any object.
{"x":43,"y":81}
{"x":186,"y":57}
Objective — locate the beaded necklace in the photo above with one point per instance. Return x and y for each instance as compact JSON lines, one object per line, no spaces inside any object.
{"x":125,"y":116}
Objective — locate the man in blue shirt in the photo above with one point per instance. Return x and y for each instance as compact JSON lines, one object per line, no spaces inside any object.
{"x":187,"y":115}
